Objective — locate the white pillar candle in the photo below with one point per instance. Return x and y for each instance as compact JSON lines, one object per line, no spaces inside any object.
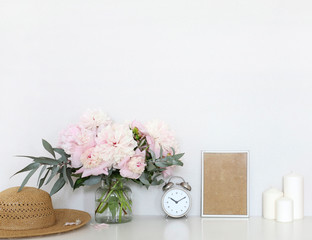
{"x":268,"y":202}
{"x":293,"y":188}
{"x":284,"y":210}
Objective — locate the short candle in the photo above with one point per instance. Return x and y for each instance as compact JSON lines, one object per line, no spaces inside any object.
{"x":284,"y":210}
{"x":268,"y":202}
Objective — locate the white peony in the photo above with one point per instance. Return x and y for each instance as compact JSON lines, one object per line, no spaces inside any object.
{"x":159,"y":135}
{"x":91,"y":158}
{"x":116,"y":142}
{"x":94,"y":119}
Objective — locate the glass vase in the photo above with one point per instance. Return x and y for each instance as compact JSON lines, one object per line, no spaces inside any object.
{"x":113,"y":202}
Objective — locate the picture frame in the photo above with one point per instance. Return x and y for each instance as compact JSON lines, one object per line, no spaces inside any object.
{"x":225,"y":184}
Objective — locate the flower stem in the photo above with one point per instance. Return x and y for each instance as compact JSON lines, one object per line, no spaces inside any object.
{"x":106,"y":194}
{"x":115,"y":200}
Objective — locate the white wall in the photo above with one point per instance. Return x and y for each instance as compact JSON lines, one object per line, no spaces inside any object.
{"x":226,"y":75}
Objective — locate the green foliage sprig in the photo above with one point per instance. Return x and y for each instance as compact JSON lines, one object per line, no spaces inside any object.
{"x":59,"y":165}
{"x":50,"y":168}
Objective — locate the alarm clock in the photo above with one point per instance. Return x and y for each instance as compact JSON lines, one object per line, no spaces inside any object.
{"x":176,"y":201}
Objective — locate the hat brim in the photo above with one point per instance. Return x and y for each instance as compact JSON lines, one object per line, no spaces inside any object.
{"x":62,"y":216}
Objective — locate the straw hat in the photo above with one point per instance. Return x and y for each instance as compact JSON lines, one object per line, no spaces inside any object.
{"x":30,"y":213}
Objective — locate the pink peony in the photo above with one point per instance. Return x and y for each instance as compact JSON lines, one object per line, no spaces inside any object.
{"x":117,"y":142}
{"x":160,"y":136}
{"x":92,"y":163}
{"x":75,"y":140}
{"x":140,"y":127}
{"x":133,"y":167}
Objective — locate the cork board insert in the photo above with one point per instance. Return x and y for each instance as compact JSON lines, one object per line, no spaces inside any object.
{"x":224,"y":184}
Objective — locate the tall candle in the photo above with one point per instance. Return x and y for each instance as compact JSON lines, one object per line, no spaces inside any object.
{"x":268,"y":202}
{"x":293,"y":189}
{"x":284,"y":210}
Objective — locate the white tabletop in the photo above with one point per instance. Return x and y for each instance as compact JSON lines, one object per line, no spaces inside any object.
{"x":160,"y":228}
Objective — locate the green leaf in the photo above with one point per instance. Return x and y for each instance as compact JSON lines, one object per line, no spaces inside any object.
{"x":31,"y":157}
{"x":77,"y":175}
{"x":27,"y":178}
{"x":93,"y":180}
{"x":177,"y":162}
{"x":162,"y":164}
{"x":178,"y":156}
{"x":110,"y":172}
{"x":70,"y":180}
{"x":63,"y":159}
{"x":54,"y":171}
{"x":150,"y":167}
{"x":43,"y":179}
{"x":64,"y":173}
{"x":48,"y":147}
{"x":135,"y":130}
{"x":57,"y":186}
{"x":137,"y":181}
{"x":28,"y":168}
{"x":156,"y":176}
{"x":155,"y":181}
{"x":42,"y":170}
{"x":61,"y":152}
{"x":153,"y":155}
{"x":45,"y":160}
{"x":144,"y":180}
{"x":80,"y":182}
{"x":173,"y":151}
{"x":113,"y":205}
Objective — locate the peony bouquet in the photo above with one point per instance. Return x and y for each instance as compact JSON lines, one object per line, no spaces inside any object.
{"x":97,"y":149}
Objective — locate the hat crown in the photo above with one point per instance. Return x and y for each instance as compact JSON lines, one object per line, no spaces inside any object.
{"x":28,"y":209}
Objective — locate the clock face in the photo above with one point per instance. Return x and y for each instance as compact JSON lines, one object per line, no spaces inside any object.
{"x":176,"y":202}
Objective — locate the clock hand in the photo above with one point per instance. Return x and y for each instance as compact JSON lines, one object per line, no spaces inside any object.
{"x":180,"y":200}
{"x":174,"y":200}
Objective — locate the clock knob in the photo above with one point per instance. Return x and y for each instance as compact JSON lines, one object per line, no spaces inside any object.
{"x":167,"y":186}
{"x":186,"y":186}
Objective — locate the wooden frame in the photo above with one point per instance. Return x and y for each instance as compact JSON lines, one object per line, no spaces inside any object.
{"x":225,"y":184}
